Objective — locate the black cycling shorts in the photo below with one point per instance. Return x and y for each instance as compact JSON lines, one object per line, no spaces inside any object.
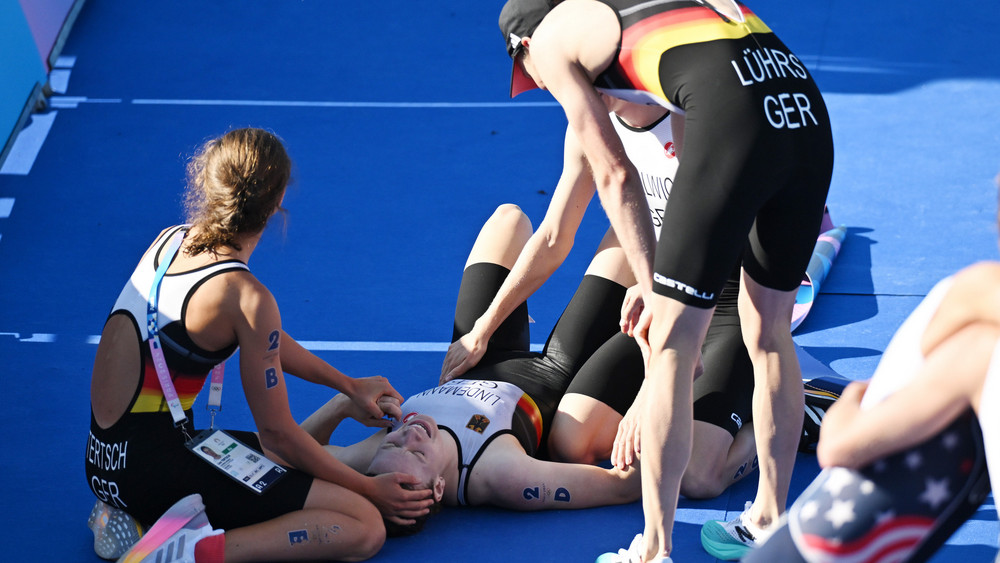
{"x":151,"y":469}
{"x":722,"y":394}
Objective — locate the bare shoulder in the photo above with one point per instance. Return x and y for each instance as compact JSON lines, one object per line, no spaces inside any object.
{"x":230,"y":302}
{"x":584,"y":32}
{"x":986,"y":272}
{"x":502,"y":453}
{"x":974,"y":283}
{"x":243,"y":289}
{"x":502,"y":462}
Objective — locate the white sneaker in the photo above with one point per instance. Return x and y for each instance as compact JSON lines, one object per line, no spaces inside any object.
{"x":114,"y":530}
{"x":729,"y":541}
{"x":173,"y":537}
{"x":630,"y":555}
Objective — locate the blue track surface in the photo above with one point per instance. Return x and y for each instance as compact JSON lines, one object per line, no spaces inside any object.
{"x":404,"y":142}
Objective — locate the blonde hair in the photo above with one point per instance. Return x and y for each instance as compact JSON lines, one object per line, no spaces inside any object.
{"x":235,"y":184}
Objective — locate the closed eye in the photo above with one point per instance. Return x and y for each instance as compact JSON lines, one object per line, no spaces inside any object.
{"x":388,"y":445}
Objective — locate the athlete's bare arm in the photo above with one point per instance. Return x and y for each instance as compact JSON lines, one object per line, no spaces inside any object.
{"x":565,"y":61}
{"x":542,"y":254}
{"x":949,"y":383}
{"x":973,"y":297}
{"x":508,"y":477}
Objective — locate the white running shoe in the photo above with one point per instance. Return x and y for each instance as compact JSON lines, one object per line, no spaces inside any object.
{"x":630,"y":555}
{"x":114,"y":530}
{"x":729,"y":541}
{"x":173,"y":537}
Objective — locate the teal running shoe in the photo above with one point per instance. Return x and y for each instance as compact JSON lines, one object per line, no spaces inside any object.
{"x":731,"y":540}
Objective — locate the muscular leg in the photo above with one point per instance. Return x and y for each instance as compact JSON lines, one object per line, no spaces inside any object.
{"x":609,"y":262}
{"x":502,"y":237}
{"x":675,"y":339}
{"x":584,"y":428}
{"x":717,"y":460}
{"x":587,"y":421}
{"x":777,"y":401}
{"x":335,"y":523}
{"x":724,"y":449}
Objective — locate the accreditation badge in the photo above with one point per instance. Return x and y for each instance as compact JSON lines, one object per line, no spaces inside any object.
{"x":240,"y":462}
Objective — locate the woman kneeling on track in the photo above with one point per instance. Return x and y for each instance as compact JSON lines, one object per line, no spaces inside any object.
{"x":906,"y":462}
{"x":189,"y":305}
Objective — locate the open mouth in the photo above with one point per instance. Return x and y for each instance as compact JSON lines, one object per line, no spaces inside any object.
{"x":422,"y":425}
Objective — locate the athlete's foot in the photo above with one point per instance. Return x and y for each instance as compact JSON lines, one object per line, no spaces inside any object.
{"x":173,"y":537}
{"x":731,"y":540}
{"x":114,"y":530}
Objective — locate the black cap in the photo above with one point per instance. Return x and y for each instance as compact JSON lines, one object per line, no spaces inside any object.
{"x":518,"y":19}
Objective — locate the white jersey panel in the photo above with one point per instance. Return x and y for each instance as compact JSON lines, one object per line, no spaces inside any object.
{"x":902,"y":359}
{"x":651,"y":150}
{"x":473,"y":409}
{"x":175,"y":289}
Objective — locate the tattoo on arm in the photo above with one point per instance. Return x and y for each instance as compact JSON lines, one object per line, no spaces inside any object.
{"x":320,"y":533}
{"x":542,"y":493}
{"x":274,"y":340}
{"x":298,"y":536}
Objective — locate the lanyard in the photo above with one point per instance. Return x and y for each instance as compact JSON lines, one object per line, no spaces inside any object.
{"x":159,"y":362}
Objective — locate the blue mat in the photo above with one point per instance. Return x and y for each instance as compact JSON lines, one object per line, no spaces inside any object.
{"x":404,"y":142}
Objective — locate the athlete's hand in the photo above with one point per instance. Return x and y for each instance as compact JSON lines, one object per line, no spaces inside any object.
{"x":628,"y":445}
{"x":395,"y":497}
{"x":632,"y":308}
{"x":375,"y":398}
{"x":641,"y":334}
{"x":462,"y":355}
{"x":390,"y":409}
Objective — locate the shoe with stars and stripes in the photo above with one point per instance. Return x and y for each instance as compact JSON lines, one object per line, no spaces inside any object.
{"x":731,"y":540}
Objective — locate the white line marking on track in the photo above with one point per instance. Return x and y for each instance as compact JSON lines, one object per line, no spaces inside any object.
{"x":65,"y":61}
{"x":59,"y":80}
{"x":306,"y":104}
{"x":375,"y":346}
{"x":71,"y":102}
{"x":363,"y":346}
{"x":6,"y":205}
{"x":27,"y":144}
{"x":30,"y":337}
